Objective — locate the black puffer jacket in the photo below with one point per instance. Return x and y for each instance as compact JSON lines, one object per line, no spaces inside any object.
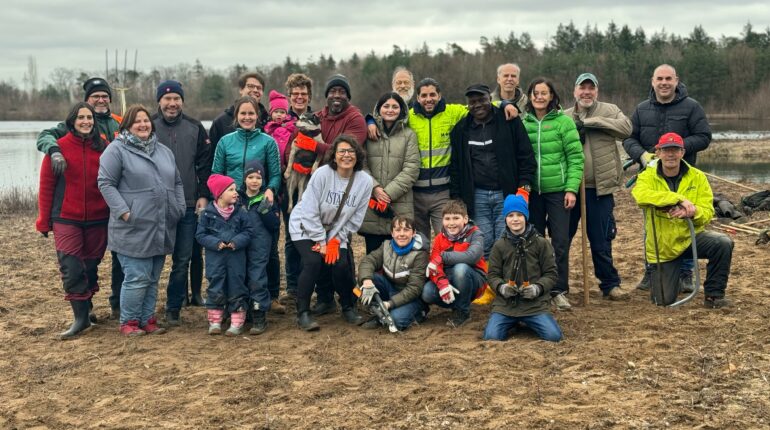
{"x":683,"y":116}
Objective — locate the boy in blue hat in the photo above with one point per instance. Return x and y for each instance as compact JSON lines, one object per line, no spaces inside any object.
{"x":522,"y":271}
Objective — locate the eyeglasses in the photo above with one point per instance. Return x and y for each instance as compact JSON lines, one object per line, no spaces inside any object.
{"x":253,"y":87}
{"x":343,"y":151}
{"x":94,"y":96}
{"x":294,"y":94}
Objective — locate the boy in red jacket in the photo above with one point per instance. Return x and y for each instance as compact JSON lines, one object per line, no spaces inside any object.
{"x":457,"y":270}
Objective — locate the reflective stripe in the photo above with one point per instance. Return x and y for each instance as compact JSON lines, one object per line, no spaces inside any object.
{"x":436,"y":161}
{"x":434,"y":181}
{"x":477,"y":143}
{"x":391,"y":275}
{"x":435,"y":152}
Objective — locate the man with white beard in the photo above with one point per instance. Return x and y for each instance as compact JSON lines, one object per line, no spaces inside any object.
{"x":403,"y":83}
{"x":600,"y":126}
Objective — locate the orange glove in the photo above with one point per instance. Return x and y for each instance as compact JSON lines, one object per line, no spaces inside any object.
{"x":332,"y":251}
{"x":524,"y":193}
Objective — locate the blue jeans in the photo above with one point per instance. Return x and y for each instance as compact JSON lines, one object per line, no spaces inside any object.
{"x":176,"y":293}
{"x":405,"y":314}
{"x":139,"y":291}
{"x":488,"y":215}
{"x":463,"y":277}
{"x":601,"y":230}
{"x":544,"y":325}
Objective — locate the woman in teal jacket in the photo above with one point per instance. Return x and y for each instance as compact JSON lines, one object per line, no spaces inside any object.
{"x":248,"y":143}
{"x":559,"y":153}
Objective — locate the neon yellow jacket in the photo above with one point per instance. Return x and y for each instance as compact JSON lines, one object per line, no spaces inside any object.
{"x":433,"y":140}
{"x":673,"y":233}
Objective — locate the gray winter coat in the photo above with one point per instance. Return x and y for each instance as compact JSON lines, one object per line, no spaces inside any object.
{"x":394,"y":163}
{"x":683,"y":116}
{"x":150,"y":188}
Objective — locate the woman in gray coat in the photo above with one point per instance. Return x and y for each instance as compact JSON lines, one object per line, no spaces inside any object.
{"x":394,"y":162}
{"x":141,"y":184}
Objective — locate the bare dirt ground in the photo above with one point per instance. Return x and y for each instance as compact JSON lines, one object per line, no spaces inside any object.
{"x":621,"y":365}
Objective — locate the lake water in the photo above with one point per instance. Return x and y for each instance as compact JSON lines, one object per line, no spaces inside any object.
{"x":20,"y":160}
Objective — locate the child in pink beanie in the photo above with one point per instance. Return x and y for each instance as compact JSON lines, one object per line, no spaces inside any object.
{"x":281,"y":125}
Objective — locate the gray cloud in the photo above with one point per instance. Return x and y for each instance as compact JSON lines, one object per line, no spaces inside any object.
{"x":74,"y":34}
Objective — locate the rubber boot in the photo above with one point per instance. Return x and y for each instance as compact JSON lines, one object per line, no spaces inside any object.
{"x":351,"y":316}
{"x":81,"y":323}
{"x":237,"y":319}
{"x":259,"y":322}
{"x":195,"y":298}
{"x":91,"y":314}
{"x":306,"y":322}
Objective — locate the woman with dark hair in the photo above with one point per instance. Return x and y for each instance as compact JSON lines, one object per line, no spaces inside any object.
{"x":139,"y":180}
{"x":394,"y":163}
{"x":332,"y":207}
{"x":559,"y":153}
{"x":71,"y":206}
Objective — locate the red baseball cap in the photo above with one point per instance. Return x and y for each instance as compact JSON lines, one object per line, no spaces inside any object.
{"x":669,"y":140}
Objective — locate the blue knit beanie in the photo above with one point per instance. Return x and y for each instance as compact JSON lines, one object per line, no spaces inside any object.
{"x":515,"y":203}
{"x":167,"y":87}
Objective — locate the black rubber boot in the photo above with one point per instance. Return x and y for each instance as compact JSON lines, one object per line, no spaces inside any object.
{"x":91,"y":314}
{"x":195,"y":298}
{"x":81,"y":323}
{"x":351,"y":316}
{"x":306,"y":322}
{"x":259,"y":323}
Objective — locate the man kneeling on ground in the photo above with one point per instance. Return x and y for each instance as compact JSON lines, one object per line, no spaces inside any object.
{"x":670,"y":191}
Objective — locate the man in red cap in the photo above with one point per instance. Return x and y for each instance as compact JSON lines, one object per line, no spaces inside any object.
{"x":670,"y":191}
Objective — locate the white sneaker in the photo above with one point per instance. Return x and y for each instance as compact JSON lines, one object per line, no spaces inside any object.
{"x":561,"y":302}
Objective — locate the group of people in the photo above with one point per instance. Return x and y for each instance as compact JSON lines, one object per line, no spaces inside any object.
{"x":454,"y":202}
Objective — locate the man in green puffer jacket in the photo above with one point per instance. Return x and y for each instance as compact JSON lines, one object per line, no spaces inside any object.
{"x":669,"y":191}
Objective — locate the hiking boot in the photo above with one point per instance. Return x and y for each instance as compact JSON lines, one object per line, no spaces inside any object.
{"x":288,"y":299}
{"x":305,"y":322}
{"x":172,"y":318}
{"x":561,"y":302}
{"x":458,"y":318}
{"x":277,"y":307}
{"x":351,"y":316}
{"x":644,"y":284}
{"x":152,"y":327}
{"x":81,"y":324}
{"x":717,"y":303}
{"x":323,"y":308}
{"x":259,"y":324}
{"x":617,"y":294}
{"x":131,"y":329}
{"x":685,"y":283}
{"x":372,"y":324}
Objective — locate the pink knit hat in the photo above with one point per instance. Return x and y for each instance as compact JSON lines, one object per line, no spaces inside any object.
{"x":218,"y":184}
{"x":278,"y":101}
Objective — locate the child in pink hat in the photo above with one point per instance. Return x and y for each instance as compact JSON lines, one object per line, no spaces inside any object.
{"x":281,"y":125}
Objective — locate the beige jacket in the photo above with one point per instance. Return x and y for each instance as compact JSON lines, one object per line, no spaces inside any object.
{"x":604,"y":125}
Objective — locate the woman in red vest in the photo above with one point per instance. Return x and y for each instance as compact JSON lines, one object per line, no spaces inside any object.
{"x":71,"y":206}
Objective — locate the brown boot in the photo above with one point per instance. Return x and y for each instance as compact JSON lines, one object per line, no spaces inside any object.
{"x":277,"y":307}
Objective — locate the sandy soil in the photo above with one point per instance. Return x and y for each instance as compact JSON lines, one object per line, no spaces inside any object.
{"x":621,"y":365}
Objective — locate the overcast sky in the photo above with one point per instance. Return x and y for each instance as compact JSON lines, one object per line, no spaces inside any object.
{"x":74,"y":34}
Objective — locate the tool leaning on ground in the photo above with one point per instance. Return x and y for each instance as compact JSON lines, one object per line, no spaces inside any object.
{"x":372,"y":300}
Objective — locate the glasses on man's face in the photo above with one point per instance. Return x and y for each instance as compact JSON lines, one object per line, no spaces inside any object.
{"x":95,"y":97}
{"x":294,"y":94}
{"x":253,"y":87}
{"x":343,"y":151}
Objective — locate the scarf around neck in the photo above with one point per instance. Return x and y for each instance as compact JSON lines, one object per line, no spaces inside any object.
{"x":463,"y":233}
{"x":402,"y":250}
{"x":225,"y":212}
{"x":146,"y":146}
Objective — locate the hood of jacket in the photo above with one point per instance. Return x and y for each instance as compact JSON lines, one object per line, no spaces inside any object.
{"x":680,"y":94}
{"x":440,"y":107}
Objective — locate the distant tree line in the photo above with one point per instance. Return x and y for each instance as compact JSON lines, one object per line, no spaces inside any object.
{"x":730,"y":75}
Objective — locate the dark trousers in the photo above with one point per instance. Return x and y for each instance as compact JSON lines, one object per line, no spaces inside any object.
{"x":292,"y":259}
{"x":116,"y":281}
{"x":79,"y":250}
{"x":374,"y":241}
{"x":547,"y":210}
{"x":601,"y":230}
{"x":196,"y":267}
{"x":717,"y":248}
{"x":226,"y":273}
{"x":274,"y":267}
{"x":339,"y":275}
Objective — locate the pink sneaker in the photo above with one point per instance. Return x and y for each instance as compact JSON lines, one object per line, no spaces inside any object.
{"x":152,"y":327}
{"x":131,"y":329}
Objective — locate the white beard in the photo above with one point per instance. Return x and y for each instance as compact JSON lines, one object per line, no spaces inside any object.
{"x":408,"y":95}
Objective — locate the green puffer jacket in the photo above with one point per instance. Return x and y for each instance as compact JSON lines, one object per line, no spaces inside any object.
{"x":394,"y":163}
{"x":559,"y":154}
{"x":406,"y":272}
{"x":673,"y":234}
{"x":540,"y":269}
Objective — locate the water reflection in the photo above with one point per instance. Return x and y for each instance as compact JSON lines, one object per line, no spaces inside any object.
{"x":738,"y":171}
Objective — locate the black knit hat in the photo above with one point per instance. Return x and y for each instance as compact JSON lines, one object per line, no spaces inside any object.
{"x":167,"y":87}
{"x":96,"y":84}
{"x":338,"y":81}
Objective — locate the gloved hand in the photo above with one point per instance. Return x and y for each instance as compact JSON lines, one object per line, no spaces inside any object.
{"x":508,"y":289}
{"x":531,"y":291}
{"x":446,"y":291}
{"x":58,"y":163}
{"x":524,"y":193}
{"x":368,"y":290}
{"x":380,"y":208}
{"x":264,"y":206}
{"x":647,"y":158}
{"x":332,"y":251}
{"x":432,"y":269}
